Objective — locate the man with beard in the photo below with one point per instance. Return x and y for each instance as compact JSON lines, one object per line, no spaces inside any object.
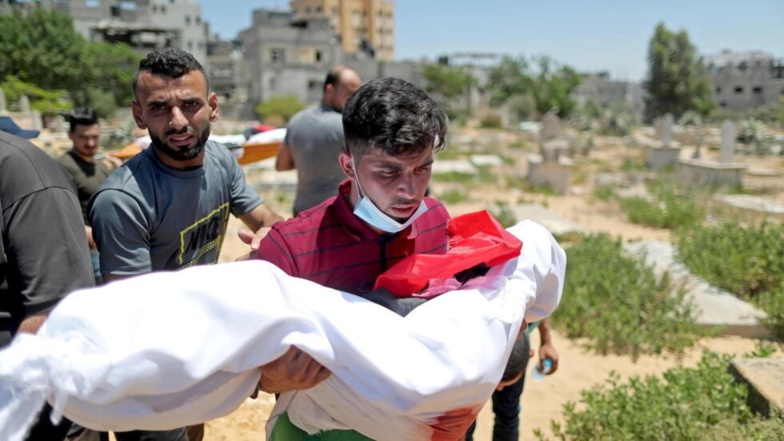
{"x":314,"y":139}
{"x":168,"y":207}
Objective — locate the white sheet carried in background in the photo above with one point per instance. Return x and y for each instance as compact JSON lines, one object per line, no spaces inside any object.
{"x":170,"y":349}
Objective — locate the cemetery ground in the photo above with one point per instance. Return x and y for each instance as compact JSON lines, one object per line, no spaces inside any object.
{"x":486,"y":169}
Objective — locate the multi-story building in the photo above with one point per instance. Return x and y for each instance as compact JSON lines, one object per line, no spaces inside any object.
{"x":362,"y":25}
{"x":602,"y":90}
{"x":288,"y":57}
{"x":744,"y":80}
{"x":143,"y":24}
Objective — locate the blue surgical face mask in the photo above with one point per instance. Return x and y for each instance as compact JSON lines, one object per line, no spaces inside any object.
{"x":366,"y":210}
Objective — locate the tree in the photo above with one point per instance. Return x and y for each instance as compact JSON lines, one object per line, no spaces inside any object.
{"x":677,"y":81}
{"x":41,"y":50}
{"x":510,"y":78}
{"x":447,"y":81}
{"x":109,"y":68}
{"x":41,"y":47}
{"x":553,"y":87}
{"x":550,"y":85}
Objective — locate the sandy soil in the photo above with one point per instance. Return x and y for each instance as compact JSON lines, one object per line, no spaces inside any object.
{"x":578,"y":369}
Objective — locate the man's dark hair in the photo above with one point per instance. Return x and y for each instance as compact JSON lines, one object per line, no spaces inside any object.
{"x":170,"y":62}
{"x":395,"y":116}
{"x":518,"y":359}
{"x":82,"y":116}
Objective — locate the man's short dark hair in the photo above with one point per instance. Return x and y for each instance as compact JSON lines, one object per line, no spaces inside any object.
{"x":82,"y":116}
{"x":395,"y":116}
{"x":170,"y":62}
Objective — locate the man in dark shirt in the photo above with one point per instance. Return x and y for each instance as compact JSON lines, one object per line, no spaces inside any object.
{"x":43,"y":254}
{"x":87,"y":171}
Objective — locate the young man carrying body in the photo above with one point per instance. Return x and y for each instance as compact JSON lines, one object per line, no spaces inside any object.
{"x":379,"y":216}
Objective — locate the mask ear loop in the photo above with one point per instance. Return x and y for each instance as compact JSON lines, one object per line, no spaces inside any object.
{"x":356,"y":178}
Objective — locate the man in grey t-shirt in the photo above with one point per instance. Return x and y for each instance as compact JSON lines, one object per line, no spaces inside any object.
{"x":314,"y":139}
{"x":168,"y":207}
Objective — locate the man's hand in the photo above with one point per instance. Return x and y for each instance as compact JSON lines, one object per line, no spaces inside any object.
{"x":294,"y":370}
{"x":548,"y":351}
{"x":253,"y":240}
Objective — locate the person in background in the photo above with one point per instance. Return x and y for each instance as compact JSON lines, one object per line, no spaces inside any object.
{"x":87,"y":171}
{"x":168,"y":207}
{"x":43,"y":254}
{"x":506,"y":398}
{"x":314,"y":139}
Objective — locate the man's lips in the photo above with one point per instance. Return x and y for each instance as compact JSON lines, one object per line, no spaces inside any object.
{"x":181,"y":140}
{"x":404,"y":210}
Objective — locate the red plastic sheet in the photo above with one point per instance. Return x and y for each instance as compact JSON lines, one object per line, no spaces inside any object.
{"x":474,"y":239}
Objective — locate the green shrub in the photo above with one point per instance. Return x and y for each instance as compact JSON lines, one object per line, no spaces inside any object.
{"x":491,"y":121}
{"x":503,"y":214}
{"x":701,"y":403}
{"x":667,"y":209}
{"x":604,"y":193}
{"x":453,"y":196}
{"x":283,"y":107}
{"x":772,"y":302}
{"x":620,"y":305}
{"x":744,"y":261}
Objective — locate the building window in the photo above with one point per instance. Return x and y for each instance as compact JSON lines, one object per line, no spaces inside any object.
{"x":718,"y":91}
{"x":738,"y":89}
{"x":190,"y":45}
{"x":277,"y":55}
{"x":154,"y":9}
{"x":198,"y":20}
{"x":723,"y":104}
{"x":757,"y":90}
{"x":163,"y":9}
{"x":318,"y":56}
{"x":187,"y":20}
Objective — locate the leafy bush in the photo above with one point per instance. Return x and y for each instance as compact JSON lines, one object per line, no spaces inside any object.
{"x":701,"y":403}
{"x":772,"y":302}
{"x":503,"y":214}
{"x":491,"y":121}
{"x":667,"y":209}
{"x":620,"y":305}
{"x":748,"y":262}
{"x":283,"y":107}
{"x":453,"y":196}
{"x":744,"y":261}
{"x":754,"y":134}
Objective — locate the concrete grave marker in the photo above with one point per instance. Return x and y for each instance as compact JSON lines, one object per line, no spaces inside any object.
{"x":727,"y":142}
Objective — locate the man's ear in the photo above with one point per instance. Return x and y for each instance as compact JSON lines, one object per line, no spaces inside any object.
{"x":136,"y":108}
{"x":212,"y":100}
{"x":347,"y":165}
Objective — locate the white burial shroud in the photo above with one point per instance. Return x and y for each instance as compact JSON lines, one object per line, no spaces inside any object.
{"x":170,"y":349}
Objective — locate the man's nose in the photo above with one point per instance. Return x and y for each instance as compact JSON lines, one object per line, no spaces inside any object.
{"x":178,"y":119}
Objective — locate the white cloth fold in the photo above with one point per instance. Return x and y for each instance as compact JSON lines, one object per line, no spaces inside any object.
{"x":169,"y":349}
